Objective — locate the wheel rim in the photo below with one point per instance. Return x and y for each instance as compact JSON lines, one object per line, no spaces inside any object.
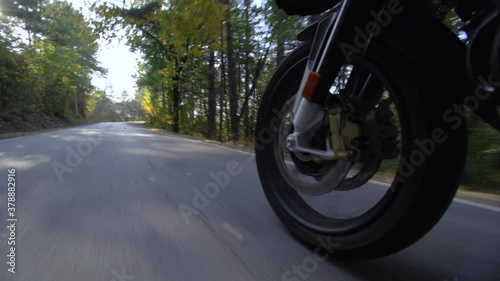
{"x":298,"y":205}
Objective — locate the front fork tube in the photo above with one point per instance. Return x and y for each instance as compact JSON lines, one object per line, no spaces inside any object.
{"x":324,"y":61}
{"x":307,"y":113}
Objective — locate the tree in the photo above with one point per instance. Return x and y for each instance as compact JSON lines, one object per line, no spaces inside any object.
{"x":205,"y":62}
{"x":48,"y":75}
{"x":170,"y":36}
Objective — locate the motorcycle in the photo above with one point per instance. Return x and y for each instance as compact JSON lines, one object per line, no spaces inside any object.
{"x":375,"y":86}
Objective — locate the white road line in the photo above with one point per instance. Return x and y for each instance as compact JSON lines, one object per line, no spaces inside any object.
{"x":458,"y":200}
{"x":478,"y":205}
{"x":380,"y":183}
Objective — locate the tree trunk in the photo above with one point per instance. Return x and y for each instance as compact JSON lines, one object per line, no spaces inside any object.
{"x":176,"y":98}
{"x":163,"y":99}
{"x":248,"y":35}
{"x":77,"y":106}
{"x":175,"y":105}
{"x":211,"y":96}
{"x":222,"y":92}
{"x":233,"y":94}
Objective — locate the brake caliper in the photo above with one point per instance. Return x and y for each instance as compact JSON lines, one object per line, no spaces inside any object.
{"x":357,"y":138}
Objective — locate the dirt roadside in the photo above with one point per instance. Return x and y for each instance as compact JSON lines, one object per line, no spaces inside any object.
{"x":18,"y":129}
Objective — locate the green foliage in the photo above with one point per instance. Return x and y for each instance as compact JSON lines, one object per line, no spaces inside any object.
{"x":101,"y":108}
{"x":47,"y":74}
{"x":176,"y":39}
{"x":483,"y":163}
{"x":172,"y":37}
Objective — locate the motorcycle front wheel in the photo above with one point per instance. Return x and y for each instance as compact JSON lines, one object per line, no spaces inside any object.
{"x":390,"y":216}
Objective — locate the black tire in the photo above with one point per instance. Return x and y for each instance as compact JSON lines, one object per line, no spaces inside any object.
{"x":412,"y":206}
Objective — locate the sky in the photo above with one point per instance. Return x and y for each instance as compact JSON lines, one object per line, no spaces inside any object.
{"x":120,"y":62}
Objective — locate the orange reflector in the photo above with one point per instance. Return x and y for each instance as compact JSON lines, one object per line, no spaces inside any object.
{"x":311,"y":85}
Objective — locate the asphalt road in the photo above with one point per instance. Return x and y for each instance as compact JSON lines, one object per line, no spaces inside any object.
{"x":110,"y":202}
